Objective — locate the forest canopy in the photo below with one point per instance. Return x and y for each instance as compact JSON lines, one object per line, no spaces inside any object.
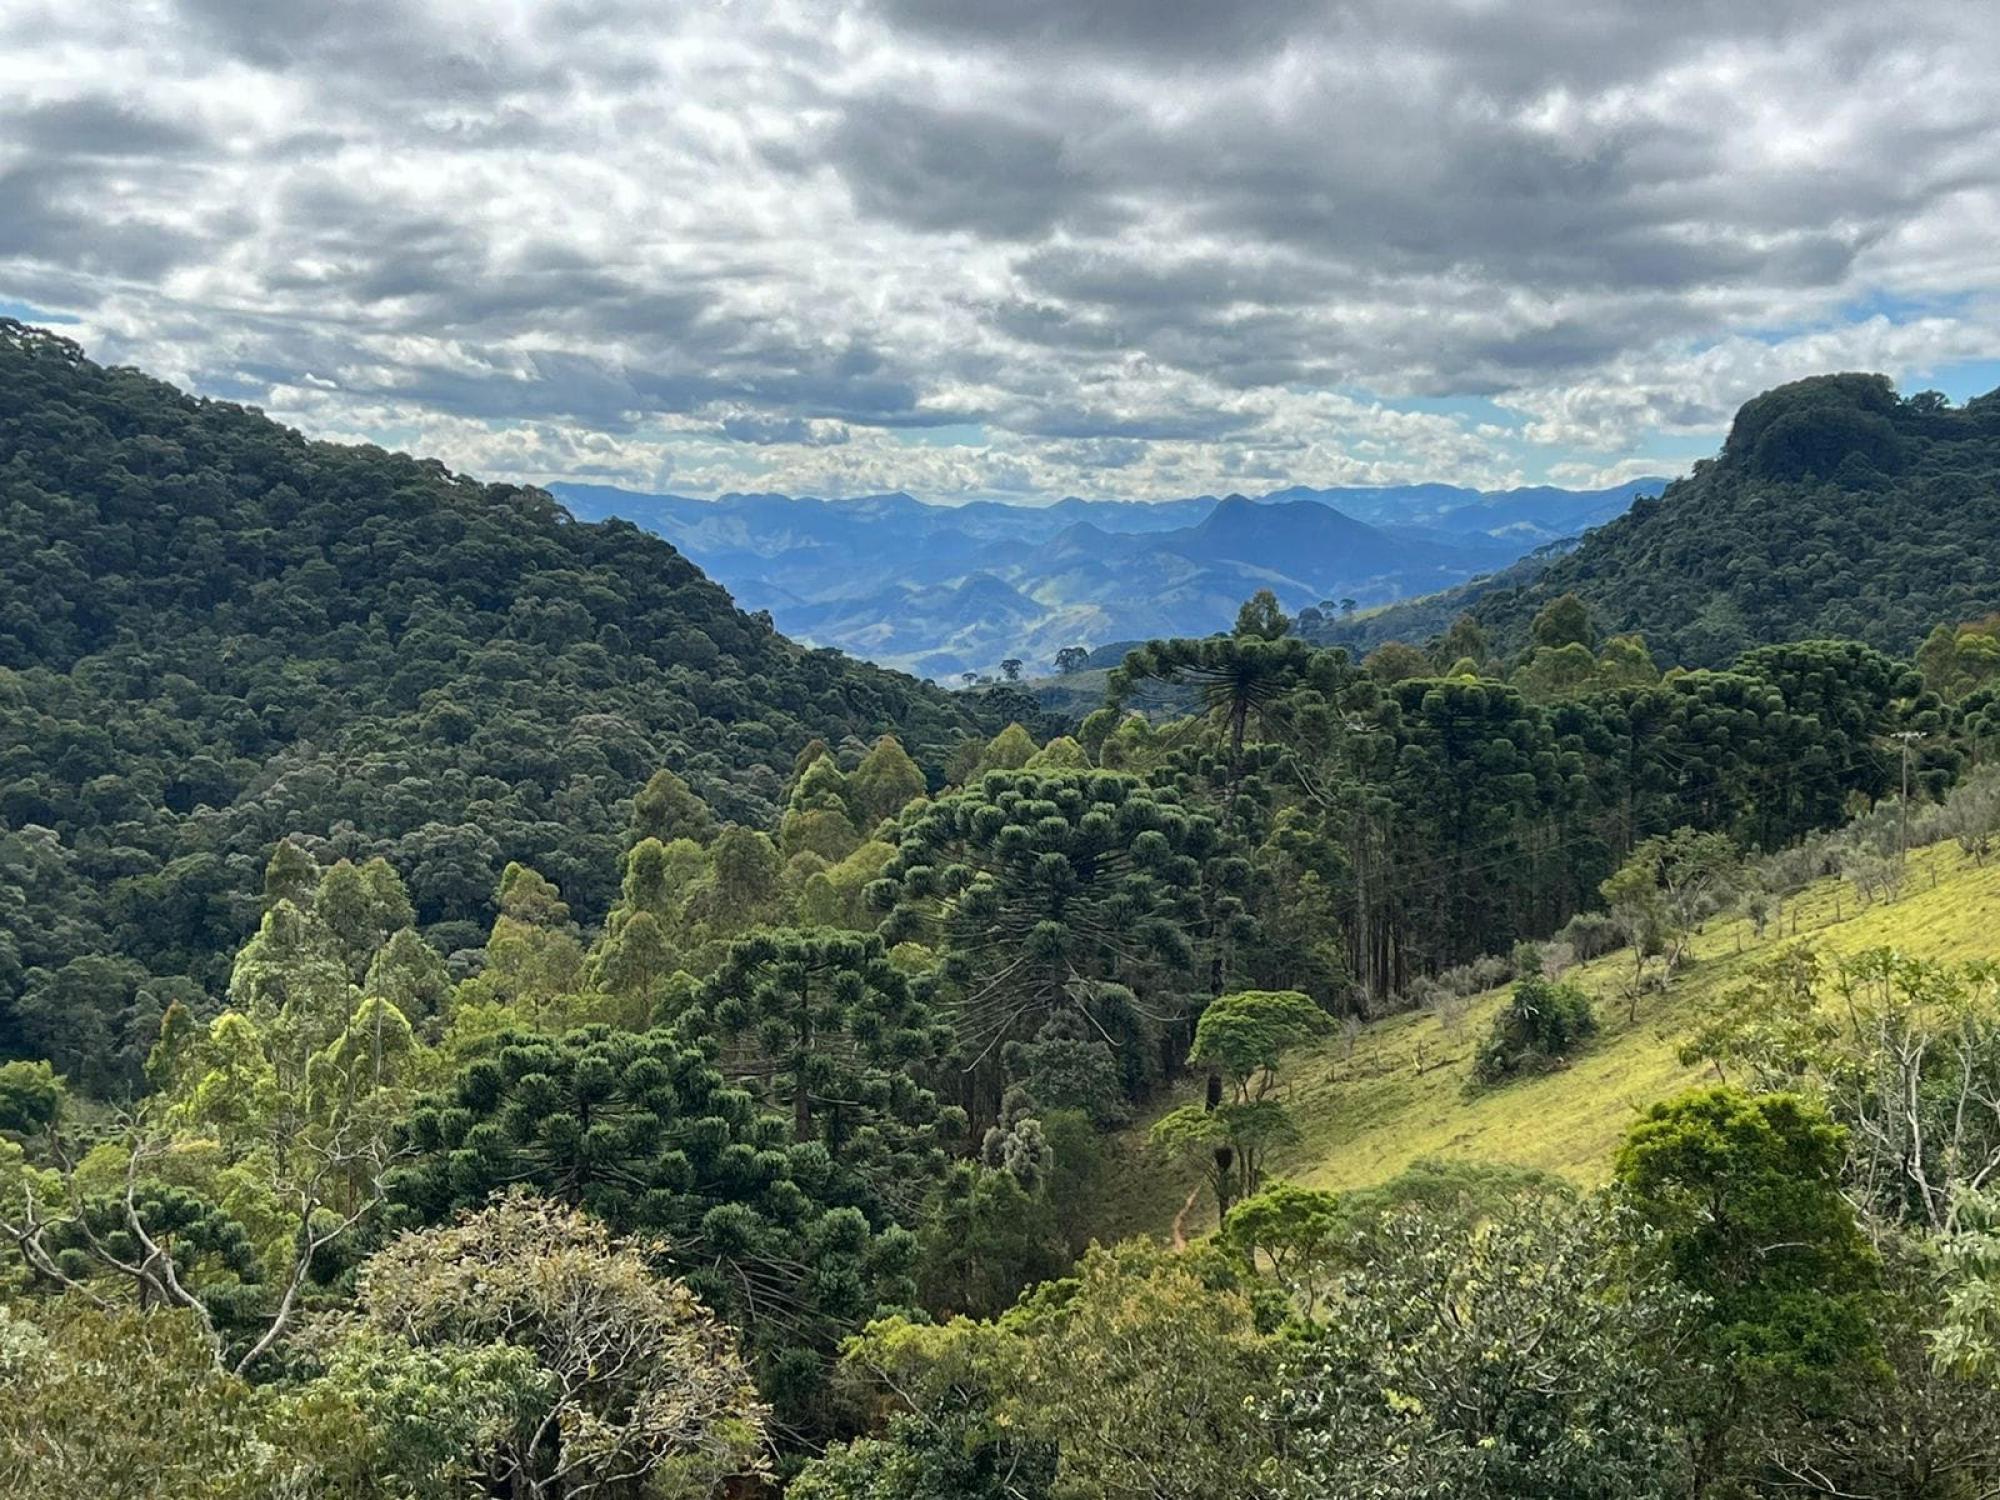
{"x":215,"y":633}
{"x":1835,"y":508}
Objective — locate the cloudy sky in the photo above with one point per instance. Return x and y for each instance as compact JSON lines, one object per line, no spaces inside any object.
{"x":1021,"y":249}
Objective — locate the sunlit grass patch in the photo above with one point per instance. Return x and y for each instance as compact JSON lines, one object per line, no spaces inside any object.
{"x":1396,"y":1092}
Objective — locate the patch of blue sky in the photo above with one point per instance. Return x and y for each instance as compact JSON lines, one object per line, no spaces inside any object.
{"x":1663,"y":454}
{"x":236,"y":385}
{"x":1675,"y":455}
{"x":1961,"y":379}
{"x":1899,"y":308}
{"x":1890,"y":307}
{"x":27,"y":312}
{"x":951,"y":435}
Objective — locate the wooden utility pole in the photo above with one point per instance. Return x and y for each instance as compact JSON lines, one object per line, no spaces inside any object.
{"x":1908,"y":739}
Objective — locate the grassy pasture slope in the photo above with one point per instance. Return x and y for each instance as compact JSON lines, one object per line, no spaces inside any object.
{"x":1364,"y":1115}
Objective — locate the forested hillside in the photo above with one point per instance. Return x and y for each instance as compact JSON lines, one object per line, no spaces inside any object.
{"x":214,"y":632}
{"x":487,"y":1018}
{"x":1836,"y":508}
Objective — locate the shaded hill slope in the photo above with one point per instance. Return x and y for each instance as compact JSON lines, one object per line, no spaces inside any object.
{"x":214,"y":632}
{"x":1835,"y":509}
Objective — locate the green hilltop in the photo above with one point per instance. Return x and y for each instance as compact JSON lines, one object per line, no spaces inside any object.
{"x":1835,"y":508}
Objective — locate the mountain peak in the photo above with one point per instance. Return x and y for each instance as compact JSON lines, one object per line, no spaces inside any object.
{"x":1828,"y":514}
{"x":898,"y":579}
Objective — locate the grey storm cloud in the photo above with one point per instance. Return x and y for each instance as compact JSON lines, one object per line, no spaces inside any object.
{"x":1191,"y":31}
{"x":766,"y":430}
{"x":943,"y":169}
{"x":62,"y":214}
{"x":98,"y":127}
{"x":396,"y":52}
{"x":1096,"y":229}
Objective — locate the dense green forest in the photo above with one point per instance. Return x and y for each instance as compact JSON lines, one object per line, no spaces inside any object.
{"x":214,"y":633}
{"x":1836,"y":508}
{"x":486,"y":1018}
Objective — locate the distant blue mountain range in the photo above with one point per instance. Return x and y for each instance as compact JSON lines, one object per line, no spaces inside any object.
{"x":940,"y":590}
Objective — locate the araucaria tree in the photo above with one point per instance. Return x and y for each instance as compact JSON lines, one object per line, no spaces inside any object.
{"x":838,"y":1038}
{"x":1055,"y":894}
{"x":646,"y":1134}
{"x":1235,"y":679}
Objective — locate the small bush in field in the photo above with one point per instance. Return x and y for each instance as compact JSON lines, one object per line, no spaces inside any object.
{"x":1591,"y":934}
{"x":1542,"y":1024}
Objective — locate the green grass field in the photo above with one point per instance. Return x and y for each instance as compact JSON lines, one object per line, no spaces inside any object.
{"x":1399,"y":1094}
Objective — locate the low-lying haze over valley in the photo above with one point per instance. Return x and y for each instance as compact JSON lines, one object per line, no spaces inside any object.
{"x":942,"y":590}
